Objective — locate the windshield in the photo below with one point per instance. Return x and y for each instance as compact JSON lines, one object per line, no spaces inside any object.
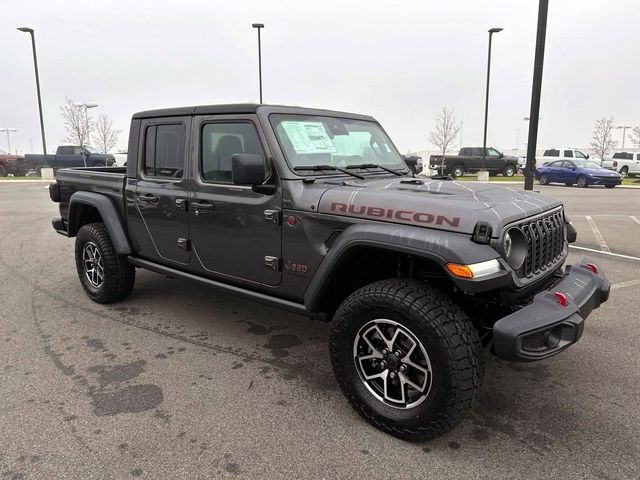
{"x":2,"y":152}
{"x":579,"y":154}
{"x":586,"y":164}
{"x":338,"y":142}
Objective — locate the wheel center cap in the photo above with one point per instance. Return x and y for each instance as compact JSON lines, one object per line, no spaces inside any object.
{"x":392,"y":362}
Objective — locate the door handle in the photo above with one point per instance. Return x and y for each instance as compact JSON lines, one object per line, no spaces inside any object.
{"x":201,"y":207}
{"x":148,"y":198}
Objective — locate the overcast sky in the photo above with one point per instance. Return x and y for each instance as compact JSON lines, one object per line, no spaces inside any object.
{"x":400,"y":61}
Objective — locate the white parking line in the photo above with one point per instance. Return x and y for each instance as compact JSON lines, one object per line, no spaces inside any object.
{"x":628,"y":283}
{"x":619,"y":255}
{"x":598,"y":235}
{"x":635,"y":219}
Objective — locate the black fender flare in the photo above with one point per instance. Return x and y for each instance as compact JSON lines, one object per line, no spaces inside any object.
{"x":110,"y":218}
{"x":439,"y":246}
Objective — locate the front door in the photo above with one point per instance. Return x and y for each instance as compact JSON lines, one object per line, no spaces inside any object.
{"x":160,"y":220}
{"x":235,"y":232}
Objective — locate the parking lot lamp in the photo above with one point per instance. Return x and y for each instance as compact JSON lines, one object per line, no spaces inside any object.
{"x":624,"y":132}
{"x":8,"y":130}
{"x":486,"y":102}
{"x":35,"y":64}
{"x":259,"y":26}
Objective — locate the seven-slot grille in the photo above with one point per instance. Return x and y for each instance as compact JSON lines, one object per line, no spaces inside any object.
{"x":545,"y":242}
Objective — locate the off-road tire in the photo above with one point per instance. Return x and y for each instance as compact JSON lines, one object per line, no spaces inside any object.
{"x":458,"y":171}
{"x":452,"y":343}
{"x":582,"y":182}
{"x":544,"y":179}
{"x":509,"y":171}
{"x":119,"y":275}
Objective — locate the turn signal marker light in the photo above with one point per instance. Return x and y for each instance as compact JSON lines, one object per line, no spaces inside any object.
{"x":461,"y":271}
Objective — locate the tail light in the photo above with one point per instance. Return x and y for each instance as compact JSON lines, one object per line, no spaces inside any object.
{"x":615,"y":163}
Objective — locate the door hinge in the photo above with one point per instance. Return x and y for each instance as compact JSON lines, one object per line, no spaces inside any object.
{"x":272,"y":263}
{"x":183,"y":244}
{"x":272,"y":216}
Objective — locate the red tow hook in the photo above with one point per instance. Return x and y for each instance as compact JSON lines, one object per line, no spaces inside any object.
{"x":562,"y":298}
{"x":593,"y":267}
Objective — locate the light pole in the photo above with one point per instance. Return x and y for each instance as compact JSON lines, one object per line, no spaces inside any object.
{"x":259,"y":26}
{"x":486,"y":102}
{"x":624,"y":132}
{"x":35,"y":64}
{"x":8,"y":130}
{"x":85,"y":118}
{"x":536,"y":91}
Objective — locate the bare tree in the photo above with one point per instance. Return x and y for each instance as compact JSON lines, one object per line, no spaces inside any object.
{"x":105,"y":136}
{"x":445,"y":131}
{"x":602,"y":141}
{"x":635,"y":136}
{"x":77,"y":123}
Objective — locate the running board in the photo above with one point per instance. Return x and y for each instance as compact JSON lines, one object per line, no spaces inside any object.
{"x":280,"y":303}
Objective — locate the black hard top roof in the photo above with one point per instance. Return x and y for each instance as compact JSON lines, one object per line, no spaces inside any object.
{"x":244,"y":108}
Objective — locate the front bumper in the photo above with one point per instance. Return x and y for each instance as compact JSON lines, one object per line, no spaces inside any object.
{"x":605,"y":180}
{"x":545,"y":327}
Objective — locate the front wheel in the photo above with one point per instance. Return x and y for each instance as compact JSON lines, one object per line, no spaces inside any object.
{"x":406,"y":357}
{"x":509,"y":171}
{"x":544,"y":179}
{"x":582,"y":181}
{"x":105,"y":276}
{"x":609,"y":186}
{"x":458,"y":171}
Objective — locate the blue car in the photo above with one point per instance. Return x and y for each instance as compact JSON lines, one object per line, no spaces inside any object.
{"x":577,"y":172}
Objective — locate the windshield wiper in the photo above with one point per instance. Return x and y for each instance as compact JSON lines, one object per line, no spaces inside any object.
{"x":374,"y":165}
{"x":318,"y":168}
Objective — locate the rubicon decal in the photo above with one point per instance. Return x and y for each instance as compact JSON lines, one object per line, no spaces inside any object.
{"x":393,"y":214}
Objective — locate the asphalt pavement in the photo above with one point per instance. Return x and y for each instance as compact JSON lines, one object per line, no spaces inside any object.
{"x":180,"y":381}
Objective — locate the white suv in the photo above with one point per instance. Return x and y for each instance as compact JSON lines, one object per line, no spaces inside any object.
{"x":625,"y":163}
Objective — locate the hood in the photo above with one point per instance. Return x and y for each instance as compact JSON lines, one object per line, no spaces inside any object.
{"x":441,"y":204}
{"x":600,"y":172}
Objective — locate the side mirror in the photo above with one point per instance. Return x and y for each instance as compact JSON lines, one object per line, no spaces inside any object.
{"x":587,"y":155}
{"x":248,"y":169}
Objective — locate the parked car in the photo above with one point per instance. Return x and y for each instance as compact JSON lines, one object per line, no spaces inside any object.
{"x":579,"y":172}
{"x":414,"y":163}
{"x":69,"y":156}
{"x":314,"y":212}
{"x":564,"y":153}
{"x":11,"y":164}
{"x":626,"y":163}
{"x":469,"y":159}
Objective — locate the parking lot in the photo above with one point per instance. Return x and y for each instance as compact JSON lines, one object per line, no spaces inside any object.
{"x":179,"y":381}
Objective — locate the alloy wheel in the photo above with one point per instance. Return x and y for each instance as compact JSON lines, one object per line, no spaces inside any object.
{"x":93,"y":266}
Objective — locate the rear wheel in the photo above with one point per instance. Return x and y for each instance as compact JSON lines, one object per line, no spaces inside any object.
{"x":582,"y":181}
{"x":544,"y":179}
{"x":406,"y":357}
{"x":458,"y":171}
{"x":105,"y":276}
{"x":624,"y":171}
{"x":509,"y":171}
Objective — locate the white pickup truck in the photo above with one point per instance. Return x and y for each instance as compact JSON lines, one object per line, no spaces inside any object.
{"x":553,"y":154}
{"x":625,"y":163}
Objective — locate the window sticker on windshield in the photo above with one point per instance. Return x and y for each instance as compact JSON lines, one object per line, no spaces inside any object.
{"x":308,"y":137}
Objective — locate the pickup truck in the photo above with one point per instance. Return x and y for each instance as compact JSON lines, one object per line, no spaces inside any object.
{"x":11,"y":164}
{"x":625,"y":163}
{"x":69,"y":156}
{"x":553,"y":154}
{"x":315,"y":212}
{"x":469,"y":159}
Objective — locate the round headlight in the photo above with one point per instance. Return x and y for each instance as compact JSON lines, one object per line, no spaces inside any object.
{"x":514,"y":247}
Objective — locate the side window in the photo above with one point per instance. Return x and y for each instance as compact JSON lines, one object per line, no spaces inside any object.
{"x":551,"y":153}
{"x":465,"y":151}
{"x":219,"y":142}
{"x":568,"y":154}
{"x":65,"y":150}
{"x":579,"y":154}
{"x":164,"y":151}
{"x":618,"y":155}
{"x":556,"y":164}
{"x":492,"y":152}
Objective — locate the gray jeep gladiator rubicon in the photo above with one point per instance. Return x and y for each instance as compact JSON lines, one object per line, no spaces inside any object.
{"x":314,"y":211}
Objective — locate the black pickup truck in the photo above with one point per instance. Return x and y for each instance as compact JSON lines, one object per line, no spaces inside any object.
{"x":469,"y":159}
{"x":315,"y":212}
{"x":69,"y":156}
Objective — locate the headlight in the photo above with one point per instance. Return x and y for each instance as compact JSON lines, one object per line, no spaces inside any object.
{"x":514,"y":247}
{"x":474,"y":270}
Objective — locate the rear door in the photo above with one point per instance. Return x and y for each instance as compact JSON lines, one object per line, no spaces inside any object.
{"x":235,"y":232}
{"x":161,"y":195}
